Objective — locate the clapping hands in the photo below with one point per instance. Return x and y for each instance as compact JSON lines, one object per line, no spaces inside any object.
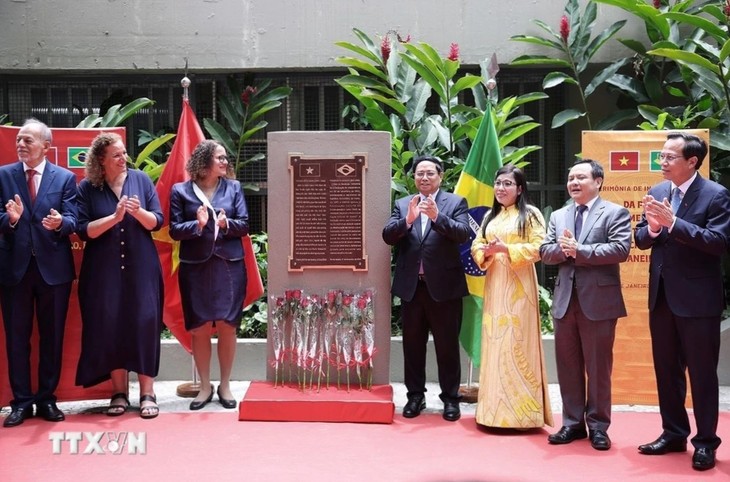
{"x":426,"y":206}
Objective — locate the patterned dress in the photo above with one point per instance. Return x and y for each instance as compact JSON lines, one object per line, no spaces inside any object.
{"x":513,"y":389}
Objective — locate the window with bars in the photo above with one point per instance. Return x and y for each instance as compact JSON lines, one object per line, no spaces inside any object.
{"x":316,"y":103}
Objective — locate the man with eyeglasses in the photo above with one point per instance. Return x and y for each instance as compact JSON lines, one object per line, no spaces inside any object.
{"x":426,"y":230}
{"x":587,"y":240}
{"x":686,"y":223}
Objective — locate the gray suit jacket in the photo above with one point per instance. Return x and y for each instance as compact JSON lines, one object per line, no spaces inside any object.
{"x":604,"y":242}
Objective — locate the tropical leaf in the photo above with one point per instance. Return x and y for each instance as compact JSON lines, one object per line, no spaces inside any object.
{"x":426,"y":74}
{"x":604,"y":75}
{"x":152,"y":147}
{"x":715,"y":31}
{"x":220,"y":134}
{"x":565,"y":116}
{"x":540,"y":60}
{"x":686,"y":58}
{"x":363,"y":66}
{"x":598,"y":42}
{"x":417,"y":105}
{"x":373,"y":57}
{"x":538,"y":41}
{"x":553,"y":79}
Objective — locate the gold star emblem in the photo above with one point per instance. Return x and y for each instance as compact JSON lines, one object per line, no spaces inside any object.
{"x":163,"y":236}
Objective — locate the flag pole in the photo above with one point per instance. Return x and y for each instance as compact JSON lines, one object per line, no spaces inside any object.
{"x":469,"y":392}
{"x":188,"y":389}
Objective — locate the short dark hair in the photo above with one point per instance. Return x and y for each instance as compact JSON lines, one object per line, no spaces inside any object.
{"x":434,"y":159}
{"x":693,"y":146}
{"x":596,"y":168}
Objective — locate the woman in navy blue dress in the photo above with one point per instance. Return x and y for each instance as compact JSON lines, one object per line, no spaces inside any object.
{"x":208,"y":216}
{"x":120,"y":283}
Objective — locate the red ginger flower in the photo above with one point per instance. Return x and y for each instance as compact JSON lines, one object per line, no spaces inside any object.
{"x":385,"y":49}
{"x":454,"y":52}
{"x":726,"y":10}
{"x":564,"y":28}
{"x":247,"y":93}
{"x":657,"y":3}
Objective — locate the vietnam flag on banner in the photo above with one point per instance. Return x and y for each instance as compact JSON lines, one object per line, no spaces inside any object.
{"x":624,"y":161}
{"x":476,"y":186}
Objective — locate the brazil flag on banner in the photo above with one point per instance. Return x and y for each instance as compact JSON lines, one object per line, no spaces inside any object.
{"x":476,"y":186}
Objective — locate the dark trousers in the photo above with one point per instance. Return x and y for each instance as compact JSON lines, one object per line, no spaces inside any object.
{"x":691,"y":344}
{"x":584,"y":361}
{"x":50,"y":304}
{"x":443,"y":319}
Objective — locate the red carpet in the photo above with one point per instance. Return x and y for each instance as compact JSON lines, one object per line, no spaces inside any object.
{"x":263,"y":402}
{"x":215,"y":446}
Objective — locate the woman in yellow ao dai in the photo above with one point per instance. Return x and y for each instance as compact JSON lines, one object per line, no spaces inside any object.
{"x":513,"y":389}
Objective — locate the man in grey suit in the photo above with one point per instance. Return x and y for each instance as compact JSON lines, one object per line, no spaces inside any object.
{"x":426,"y":230}
{"x":587,"y":240}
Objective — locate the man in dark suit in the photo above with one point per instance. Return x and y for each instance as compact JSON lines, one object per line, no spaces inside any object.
{"x":426,"y":230}
{"x":686,"y":223}
{"x":587,"y":239}
{"x":36,"y":268}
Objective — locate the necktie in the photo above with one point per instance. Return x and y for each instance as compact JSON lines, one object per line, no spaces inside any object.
{"x":31,"y":184}
{"x":676,"y":199}
{"x":579,"y":220}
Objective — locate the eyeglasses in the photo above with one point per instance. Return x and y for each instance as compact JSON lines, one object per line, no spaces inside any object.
{"x":669,"y":157}
{"x":221,"y":159}
{"x":504,"y":184}
{"x":421,"y":174}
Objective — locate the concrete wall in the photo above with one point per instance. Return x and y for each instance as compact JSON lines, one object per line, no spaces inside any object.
{"x":216,"y":35}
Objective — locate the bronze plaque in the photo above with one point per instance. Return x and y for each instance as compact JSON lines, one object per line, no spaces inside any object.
{"x":327,"y":212}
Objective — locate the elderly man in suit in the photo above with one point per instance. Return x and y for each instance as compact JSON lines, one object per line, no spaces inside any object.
{"x":587,"y":239}
{"x":686,"y":223}
{"x":36,"y":268}
{"x":426,"y":230}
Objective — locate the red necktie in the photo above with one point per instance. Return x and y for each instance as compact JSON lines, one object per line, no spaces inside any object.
{"x":31,"y":184}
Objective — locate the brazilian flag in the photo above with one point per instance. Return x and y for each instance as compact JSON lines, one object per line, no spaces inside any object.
{"x":476,"y":186}
{"x":77,"y":157}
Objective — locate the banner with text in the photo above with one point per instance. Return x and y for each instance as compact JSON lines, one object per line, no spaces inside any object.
{"x":631,"y":163}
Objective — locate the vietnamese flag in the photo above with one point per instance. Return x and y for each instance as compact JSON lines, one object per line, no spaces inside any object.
{"x":189,"y":135}
{"x":624,"y":160}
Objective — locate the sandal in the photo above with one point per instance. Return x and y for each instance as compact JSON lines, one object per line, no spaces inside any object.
{"x":115,"y":410}
{"x":150,"y":411}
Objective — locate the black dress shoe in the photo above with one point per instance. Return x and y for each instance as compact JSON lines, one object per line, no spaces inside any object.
{"x":452,"y":412}
{"x":224,"y":401}
{"x":663,"y":446}
{"x":416,"y":404}
{"x":566,"y":435}
{"x":195,"y":405}
{"x":18,"y":416}
{"x":703,"y":459}
{"x":599,"y":439}
{"x":49,"y":412}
